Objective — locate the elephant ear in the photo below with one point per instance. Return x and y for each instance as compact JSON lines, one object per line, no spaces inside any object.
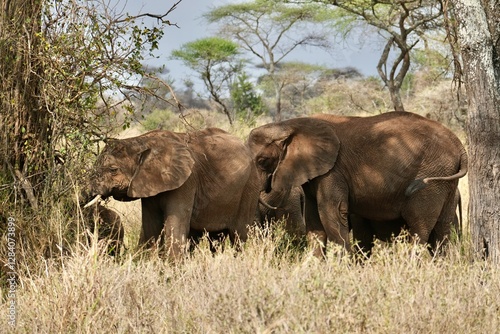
{"x":162,"y":166}
{"x":310,"y":150}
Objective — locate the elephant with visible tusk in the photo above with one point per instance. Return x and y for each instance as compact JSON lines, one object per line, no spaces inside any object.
{"x":396,"y":165}
{"x":203,"y":180}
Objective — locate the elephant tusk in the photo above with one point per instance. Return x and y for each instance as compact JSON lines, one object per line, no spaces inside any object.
{"x":92,"y":202}
{"x":267,"y":205}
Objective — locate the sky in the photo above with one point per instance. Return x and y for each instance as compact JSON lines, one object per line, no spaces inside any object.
{"x":357,"y":52}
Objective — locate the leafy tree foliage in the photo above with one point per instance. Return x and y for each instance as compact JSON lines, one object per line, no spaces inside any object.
{"x":402,"y":23}
{"x":68,"y":69}
{"x":216,"y":61}
{"x":298,"y":81}
{"x":270,"y":30}
{"x":247,"y":104}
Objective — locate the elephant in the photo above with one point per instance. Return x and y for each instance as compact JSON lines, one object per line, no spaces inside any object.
{"x":365,"y":230}
{"x":200,"y":180}
{"x":109,"y":226}
{"x":391,"y":166}
{"x":289,"y":206}
{"x":272,"y":207}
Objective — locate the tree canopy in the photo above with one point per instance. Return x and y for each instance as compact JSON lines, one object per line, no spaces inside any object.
{"x":402,"y":24}
{"x":270,"y":30}
{"x":216,"y":61}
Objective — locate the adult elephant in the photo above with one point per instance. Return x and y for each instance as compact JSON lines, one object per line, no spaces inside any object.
{"x":391,"y":166}
{"x":284,"y":205}
{"x":202,"y":180}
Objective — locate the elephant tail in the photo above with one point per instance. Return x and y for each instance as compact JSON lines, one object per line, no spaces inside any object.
{"x":460,"y":217}
{"x":421,"y":183}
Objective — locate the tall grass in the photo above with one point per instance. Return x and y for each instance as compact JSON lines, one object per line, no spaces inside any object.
{"x":66,"y":285}
{"x":270,"y":286}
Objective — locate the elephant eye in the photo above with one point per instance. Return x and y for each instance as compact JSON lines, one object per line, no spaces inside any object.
{"x":113,"y":170}
{"x":263,"y":163}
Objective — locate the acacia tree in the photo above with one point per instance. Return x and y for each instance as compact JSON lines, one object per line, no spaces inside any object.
{"x":216,"y":61}
{"x":479,"y":39}
{"x":402,"y":23}
{"x":66,"y":70}
{"x":270,"y":30}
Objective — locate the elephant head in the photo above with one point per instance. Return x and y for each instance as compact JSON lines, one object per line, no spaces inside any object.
{"x":290,"y":153}
{"x":141,"y":167}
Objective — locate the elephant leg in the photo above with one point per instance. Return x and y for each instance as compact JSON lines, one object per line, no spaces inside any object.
{"x":177,"y":211}
{"x":441,"y":232}
{"x":334,"y":220}
{"x":419,"y":228}
{"x":152,"y":223}
{"x":167,"y":216}
{"x":421,"y":214}
{"x":362,"y":233}
{"x":333,"y":210}
{"x":316,"y":234}
{"x":237,"y":237}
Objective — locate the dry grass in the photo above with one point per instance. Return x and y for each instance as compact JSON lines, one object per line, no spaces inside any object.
{"x":270,"y":286}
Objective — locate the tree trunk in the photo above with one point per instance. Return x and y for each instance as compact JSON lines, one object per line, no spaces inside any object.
{"x":24,"y":120}
{"x":277,"y":117}
{"x":398,"y":70}
{"x":479,"y":31}
{"x":395,"y":93}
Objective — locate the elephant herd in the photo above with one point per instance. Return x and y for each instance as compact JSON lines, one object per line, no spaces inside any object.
{"x":329,"y":174}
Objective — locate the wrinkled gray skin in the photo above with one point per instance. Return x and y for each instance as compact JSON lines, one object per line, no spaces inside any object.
{"x":109,"y":226}
{"x":365,"y":230}
{"x":289,"y":207}
{"x":201,"y":180}
{"x":387,"y":167}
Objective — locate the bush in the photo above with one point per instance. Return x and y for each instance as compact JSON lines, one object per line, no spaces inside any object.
{"x":160,"y":119}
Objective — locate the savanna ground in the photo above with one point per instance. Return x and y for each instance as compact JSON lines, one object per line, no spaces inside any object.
{"x":273,"y":285}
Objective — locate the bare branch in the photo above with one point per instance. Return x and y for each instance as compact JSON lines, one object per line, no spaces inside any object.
{"x":160,"y":18}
